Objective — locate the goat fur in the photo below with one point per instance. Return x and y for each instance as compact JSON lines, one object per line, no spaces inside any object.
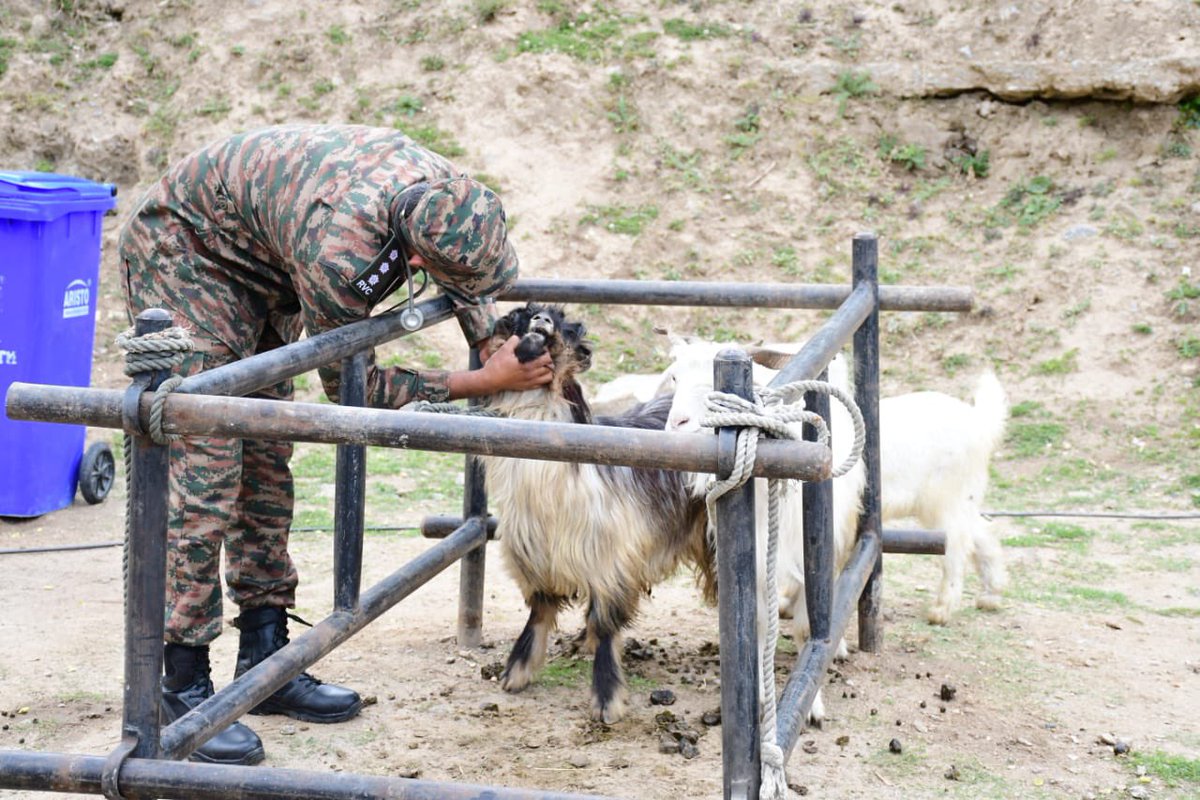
{"x":584,"y":532}
{"x":934,"y":451}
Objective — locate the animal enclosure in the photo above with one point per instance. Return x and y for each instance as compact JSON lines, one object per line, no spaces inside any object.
{"x":213,"y":403}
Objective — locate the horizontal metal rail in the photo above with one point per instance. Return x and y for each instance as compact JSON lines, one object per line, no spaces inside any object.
{"x":247,"y":375}
{"x":266,"y":369}
{"x":896,"y":541}
{"x":734,"y":295}
{"x":212,"y":716}
{"x":174,"y":780}
{"x":914,"y":542}
{"x":252,"y":418}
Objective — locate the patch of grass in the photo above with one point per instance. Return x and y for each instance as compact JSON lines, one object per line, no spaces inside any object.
{"x":909,"y":156}
{"x":1181,"y":295}
{"x":1188,"y":346}
{"x":748,"y":133}
{"x":315,"y":463}
{"x":337,"y":35}
{"x":1189,"y":112}
{"x":590,"y":37}
{"x":976,"y":165}
{"x":568,"y":672}
{"x":216,"y":107}
{"x":1027,"y":203}
{"x":851,"y":84}
{"x":433,"y":137}
{"x":692,"y":31}
{"x":1172,"y":769}
{"x":623,"y":115}
{"x":433,"y":63}
{"x":1064,"y":364}
{"x":621,"y":219}
{"x":1054,"y":534}
{"x":6,"y":47}
{"x":1030,"y":439}
{"x":953,"y":363}
{"x":1090,"y":594}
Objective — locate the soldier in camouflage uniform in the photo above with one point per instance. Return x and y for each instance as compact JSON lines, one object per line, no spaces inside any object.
{"x":247,"y":243}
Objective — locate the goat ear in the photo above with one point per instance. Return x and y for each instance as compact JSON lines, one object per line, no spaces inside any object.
{"x":767,"y":357}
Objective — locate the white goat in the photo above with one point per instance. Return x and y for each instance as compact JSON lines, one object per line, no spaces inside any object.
{"x":934,"y":453}
{"x":690,"y":376}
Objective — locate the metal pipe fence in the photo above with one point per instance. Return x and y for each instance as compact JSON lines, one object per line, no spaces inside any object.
{"x":211,"y":404}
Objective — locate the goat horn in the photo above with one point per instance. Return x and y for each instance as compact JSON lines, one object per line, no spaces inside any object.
{"x":775,"y":359}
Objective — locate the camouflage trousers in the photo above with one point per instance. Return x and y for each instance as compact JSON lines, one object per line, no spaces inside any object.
{"x":230,"y":494}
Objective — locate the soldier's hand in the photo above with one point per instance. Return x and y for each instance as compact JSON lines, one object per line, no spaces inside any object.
{"x":504,"y":372}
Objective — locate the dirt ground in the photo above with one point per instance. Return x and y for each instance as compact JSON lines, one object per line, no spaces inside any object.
{"x":707,"y":151}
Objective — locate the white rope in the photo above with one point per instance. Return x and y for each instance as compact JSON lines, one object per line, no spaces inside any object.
{"x":771,"y":415}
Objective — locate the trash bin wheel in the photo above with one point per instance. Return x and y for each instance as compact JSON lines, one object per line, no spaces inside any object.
{"x":97,"y":471}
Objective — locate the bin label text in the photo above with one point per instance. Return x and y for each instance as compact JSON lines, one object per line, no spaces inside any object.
{"x":76,"y":300}
{"x":8,"y":358}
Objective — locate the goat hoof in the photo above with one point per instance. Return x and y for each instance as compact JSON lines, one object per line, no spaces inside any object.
{"x":988,"y":602}
{"x":938,"y":615}
{"x":515,"y":680}
{"x":816,"y":714}
{"x":610,"y":713}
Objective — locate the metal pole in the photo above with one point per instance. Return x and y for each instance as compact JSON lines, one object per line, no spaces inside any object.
{"x":471,"y":567}
{"x":254,"y":418}
{"x":866,"y":394}
{"x":146,"y":566}
{"x":49,"y":772}
{"x":733,"y":295}
{"x":350,"y":483}
{"x":818,"y":531}
{"x":823,"y":345}
{"x":737,"y":601}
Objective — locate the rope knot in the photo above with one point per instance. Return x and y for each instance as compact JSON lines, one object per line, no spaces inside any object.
{"x":160,"y":350}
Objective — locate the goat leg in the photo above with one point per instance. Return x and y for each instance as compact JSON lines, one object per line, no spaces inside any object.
{"x":608,"y":678}
{"x":529,"y":651}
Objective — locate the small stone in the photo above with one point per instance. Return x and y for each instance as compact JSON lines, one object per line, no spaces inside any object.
{"x":578,"y":760}
{"x":953,"y":774}
{"x":798,"y":789}
{"x":288,"y":730}
{"x":1080,"y":232}
{"x":370,"y":700}
{"x":1138,"y":792}
{"x":809,"y":747}
{"x":408,"y":772}
{"x":668,"y":744}
{"x":662,"y":697}
{"x":688,"y":750}
{"x":489,"y":708}
{"x":711,"y":718}
{"x":1121,"y":748}
{"x":842,"y":740}
{"x":895,"y":746}
{"x":948,"y":691}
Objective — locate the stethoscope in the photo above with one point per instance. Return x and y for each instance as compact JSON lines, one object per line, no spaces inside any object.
{"x":412,"y":318}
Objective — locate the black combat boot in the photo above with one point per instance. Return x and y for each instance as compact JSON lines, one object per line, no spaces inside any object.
{"x":263,"y":631}
{"x":187,"y":684}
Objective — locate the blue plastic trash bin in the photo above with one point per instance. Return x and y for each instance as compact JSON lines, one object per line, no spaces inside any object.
{"x":49,"y":283}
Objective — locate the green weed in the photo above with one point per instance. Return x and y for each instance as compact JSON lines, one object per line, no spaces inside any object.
{"x":1054,"y":534}
{"x":568,"y":672}
{"x":1189,"y":112}
{"x":433,"y":63}
{"x":1172,"y":769}
{"x":1188,"y":346}
{"x":909,"y":156}
{"x":1028,"y":203}
{"x":1062,"y":365}
{"x":487,"y":10}
{"x":689,"y":32}
{"x":850,"y":84}
{"x":620,"y":218}
{"x":433,"y":137}
{"x":1030,"y":439}
{"x":6,"y":47}
{"x":623,"y":116}
{"x":976,"y":165}
{"x":337,"y":35}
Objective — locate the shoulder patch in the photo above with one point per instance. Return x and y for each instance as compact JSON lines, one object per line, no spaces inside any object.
{"x":381,"y":276}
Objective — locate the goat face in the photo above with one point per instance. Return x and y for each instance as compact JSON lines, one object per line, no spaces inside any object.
{"x":543,"y":329}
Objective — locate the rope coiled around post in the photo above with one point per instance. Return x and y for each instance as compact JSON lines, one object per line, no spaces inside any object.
{"x":771,"y":415}
{"x":160,"y":350}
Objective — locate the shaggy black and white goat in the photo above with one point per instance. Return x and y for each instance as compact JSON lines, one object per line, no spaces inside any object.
{"x":574,"y":532}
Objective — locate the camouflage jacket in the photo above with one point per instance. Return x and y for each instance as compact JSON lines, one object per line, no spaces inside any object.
{"x":272,"y":226}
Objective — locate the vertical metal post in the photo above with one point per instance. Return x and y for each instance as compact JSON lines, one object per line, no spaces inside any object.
{"x":350,"y":494}
{"x":866,"y":394}
{"x":471,"y":569}
{"x":741,"y":748}
{"x":818,"y":531}
{"x":146,"y":563}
